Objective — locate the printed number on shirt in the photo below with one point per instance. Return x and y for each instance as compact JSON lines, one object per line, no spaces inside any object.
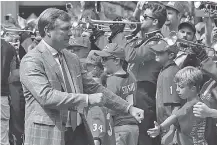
{"x":97,"y":127}
{"x":171,"y":90}
{"x":129,"y":99}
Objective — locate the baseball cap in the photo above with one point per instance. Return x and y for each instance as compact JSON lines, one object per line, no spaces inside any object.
{"x":188,"y":24}
{"x":163,"y":46}
{"x":112,"y":49}
{"x":177,"y":5}
{"x":93,"y":58}
{"x":79,"y":41}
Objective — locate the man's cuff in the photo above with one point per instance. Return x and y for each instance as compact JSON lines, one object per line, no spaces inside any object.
{"x":128,"y":108}
{"x":87,"y":100}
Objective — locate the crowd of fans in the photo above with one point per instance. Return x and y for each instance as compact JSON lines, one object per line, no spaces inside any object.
{"x":173,"y":83}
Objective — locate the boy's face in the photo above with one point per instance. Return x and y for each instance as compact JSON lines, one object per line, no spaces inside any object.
{"x":109,"y":64}
{"x":184,"y":91}
{"x":162,"y":57}
{"x":93,"y":69}
{"x":80,"y":51}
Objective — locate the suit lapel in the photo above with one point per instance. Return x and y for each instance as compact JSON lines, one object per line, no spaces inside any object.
{"x":47,"y":56}
{"x":73,"y":68}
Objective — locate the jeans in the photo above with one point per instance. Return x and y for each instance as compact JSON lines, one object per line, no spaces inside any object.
{"x":5,"y":117}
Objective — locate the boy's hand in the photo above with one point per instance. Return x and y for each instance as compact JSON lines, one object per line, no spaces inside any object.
{"x":153,"y":132}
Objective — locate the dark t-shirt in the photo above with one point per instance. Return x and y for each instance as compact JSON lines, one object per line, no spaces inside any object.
{"x":166,"y":94}
{"x":125,"y":87}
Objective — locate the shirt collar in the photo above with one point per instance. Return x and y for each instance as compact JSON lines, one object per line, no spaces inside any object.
{"x":51,"y":49}
{"x":151,"y":34}
{"x":171,"y":63}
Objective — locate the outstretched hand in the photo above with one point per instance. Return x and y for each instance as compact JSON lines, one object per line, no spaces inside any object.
{"x":153,"y":132}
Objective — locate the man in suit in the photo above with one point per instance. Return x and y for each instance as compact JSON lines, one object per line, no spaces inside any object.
{"x":7,"y":55}
{"x":54,"y":82}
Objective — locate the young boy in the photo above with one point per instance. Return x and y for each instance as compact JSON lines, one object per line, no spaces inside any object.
{"x":167,"y":99}
{"x":191,"y":129}
{"x":99,"y":118}
{"x":124,"y":85}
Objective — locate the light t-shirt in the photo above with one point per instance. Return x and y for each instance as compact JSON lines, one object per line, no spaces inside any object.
{"x":191,"y":129}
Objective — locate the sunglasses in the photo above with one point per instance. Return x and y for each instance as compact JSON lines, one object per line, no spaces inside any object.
{"x":104,"y":59}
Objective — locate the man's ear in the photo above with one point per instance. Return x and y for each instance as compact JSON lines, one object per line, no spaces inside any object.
{"x":171,"y":55}
{"x":179,"y":15}
{"x":194,"y":88}
{"x":117,"y":61}
{"x":47,"y":31}
{"x":155,"y":22}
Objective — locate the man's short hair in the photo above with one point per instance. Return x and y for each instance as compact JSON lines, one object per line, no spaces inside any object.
{"x":189,"y":76}
{"x":48,"y":18}
{"x":159,"y":12}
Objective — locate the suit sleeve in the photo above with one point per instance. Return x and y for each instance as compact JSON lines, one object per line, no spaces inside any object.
{"x":97,"y":121}
{"x":113,"y":101}
{"x":34,"y":80}
{"x":142,"y":53}
{"x":210,"y":68}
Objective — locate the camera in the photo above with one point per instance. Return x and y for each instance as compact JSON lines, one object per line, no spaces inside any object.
{"x":68,"y":5}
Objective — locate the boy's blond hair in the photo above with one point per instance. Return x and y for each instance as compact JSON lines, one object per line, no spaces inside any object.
{"x":189,"y":76}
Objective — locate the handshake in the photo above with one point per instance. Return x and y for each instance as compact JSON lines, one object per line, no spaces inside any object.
{"x":98,"y":99}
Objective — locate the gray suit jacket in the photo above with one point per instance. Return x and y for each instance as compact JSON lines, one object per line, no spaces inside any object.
{"x":42,"y":83}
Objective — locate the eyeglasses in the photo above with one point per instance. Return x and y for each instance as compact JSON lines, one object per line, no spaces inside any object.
{"x":146,"y":16}
{"x":104,"y":59}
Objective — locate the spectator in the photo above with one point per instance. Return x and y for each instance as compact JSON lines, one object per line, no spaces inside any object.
{"x":191,"y":129}
{"x":99,"y":118}
{"x":167,"y":99}
{"x":7,"y":55}
{"x":123,"y":84}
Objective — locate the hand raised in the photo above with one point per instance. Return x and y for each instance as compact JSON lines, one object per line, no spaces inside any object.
{"x":153,"y":132}
{"x":96,"y":99}
{"x":137,"y":113}
{"x":140,"y":4}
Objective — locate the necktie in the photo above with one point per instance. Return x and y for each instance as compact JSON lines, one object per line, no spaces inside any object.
{"x":73,"y":114}
{"x":78,"y":118}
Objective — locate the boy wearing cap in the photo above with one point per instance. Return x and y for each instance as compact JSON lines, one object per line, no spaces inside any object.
{"x":167,"y":99}
{"x":123,"y":84}
{"x":99,"y":118}
{"x":80,"y":46}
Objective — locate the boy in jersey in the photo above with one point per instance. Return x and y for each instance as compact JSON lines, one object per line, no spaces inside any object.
{"x":124,"y":85}
{"x":167,"y":99}
{"x":99,"y":118}
{"x":191,"y":129}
